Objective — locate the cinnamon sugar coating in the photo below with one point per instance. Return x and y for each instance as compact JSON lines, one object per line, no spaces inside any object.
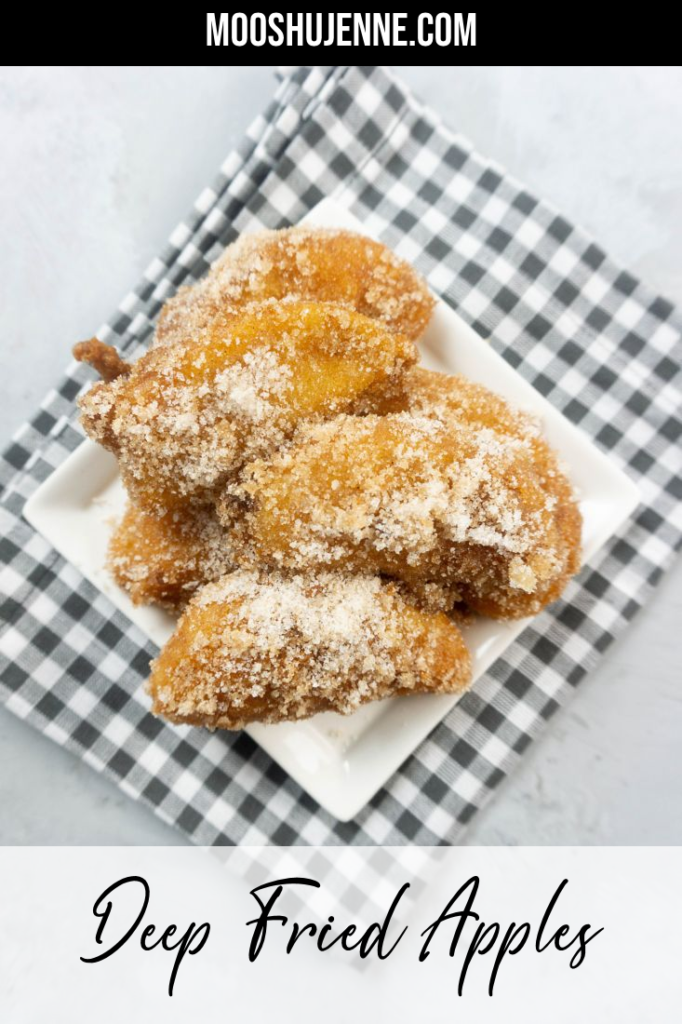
{"x":188,"y":416}
{"x":165,"y":560}
{"x":319,"y":264}
{"x":418,"y":499}
{"x":447,"y":397}
{"x":271,"y":648}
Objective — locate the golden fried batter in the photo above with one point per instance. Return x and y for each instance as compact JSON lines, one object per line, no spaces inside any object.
{"x":271,"y":649}
{"x":413,"y":498}
{"x":187,"y":416}
{"x":165,"y":560}
{"x":448,"y":397}
{"x":103,"y":358}
{"x":319,"y":264}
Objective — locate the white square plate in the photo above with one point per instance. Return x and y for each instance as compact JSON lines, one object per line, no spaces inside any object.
{"x":342,"y":762}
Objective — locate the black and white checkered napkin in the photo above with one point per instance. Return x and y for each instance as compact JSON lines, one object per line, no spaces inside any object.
{"x":604,"y":349}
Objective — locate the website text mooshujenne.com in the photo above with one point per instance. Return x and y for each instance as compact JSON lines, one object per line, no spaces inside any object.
{"x":257,"y":29}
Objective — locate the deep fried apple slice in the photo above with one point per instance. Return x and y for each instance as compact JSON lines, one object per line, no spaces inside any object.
{"x":188,"y":416}
{"x":412,"y":498}
{"x":253,"y":648}
{"x":318,"y":264}
{"x":165,"y":560}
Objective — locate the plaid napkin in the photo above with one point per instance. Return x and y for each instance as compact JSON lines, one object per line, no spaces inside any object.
{"x":600,"y":345}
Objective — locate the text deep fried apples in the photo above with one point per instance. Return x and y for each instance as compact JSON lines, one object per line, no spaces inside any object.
{"x":268,"y":648}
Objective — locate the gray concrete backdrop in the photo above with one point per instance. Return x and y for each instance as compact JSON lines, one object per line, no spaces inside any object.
{"x":99,"y":164}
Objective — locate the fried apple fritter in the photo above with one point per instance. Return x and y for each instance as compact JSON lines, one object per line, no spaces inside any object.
{"x":166,"y":560}
{"x":318,"y":264}
{"x":413,"y":498}
{"x":253,"y":648}
{"x":187,"y":416}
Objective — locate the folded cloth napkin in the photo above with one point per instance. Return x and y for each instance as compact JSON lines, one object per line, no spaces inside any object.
{"x":587,"y":334}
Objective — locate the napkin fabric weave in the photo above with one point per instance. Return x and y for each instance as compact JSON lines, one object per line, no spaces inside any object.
{"x":604,"y":350}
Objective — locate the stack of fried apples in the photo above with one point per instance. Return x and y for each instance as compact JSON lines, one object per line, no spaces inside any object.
{"x":321,"y":513}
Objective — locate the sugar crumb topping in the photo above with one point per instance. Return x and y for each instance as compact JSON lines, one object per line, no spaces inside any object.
{"x":320,"y":641}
